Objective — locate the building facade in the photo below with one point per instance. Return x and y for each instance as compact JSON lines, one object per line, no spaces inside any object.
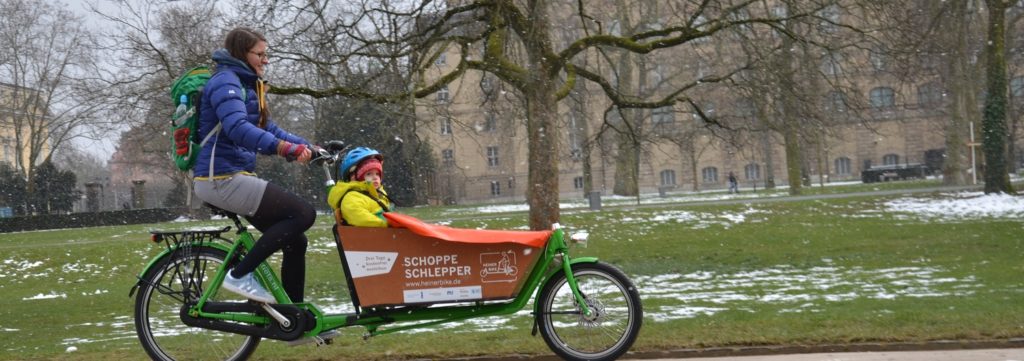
{"x":477,"y":129}
{"x":16,"y":107}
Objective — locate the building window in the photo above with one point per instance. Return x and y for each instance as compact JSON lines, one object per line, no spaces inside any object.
{"x":701,"y":23}
{"x":615,"y":28}
{"x":490,"y":122}
{"x":830,"y":19}
{"x":487,"y":86}
{"x":703,"y":69}
{"x":831,"y":64}
{"x":843,"y":166}
{"x":492,"y":156}
{"x":442,"y":94}
{"x":446,"y":126}
{"x":882,"y":98}
{"x":577,"y":183}
{"x":495,"y":188}
{"x":656,"y":76}
{"x":1017,"y":86}
{"x":929,"y":94}
{"x":708,"y":108}
{"x":668,"y":177}
{"x":709,"y":174}
{"x":741,"y":16}
{"x":7,"y":148}
{"x":448,"y":157}
{"x":877,"y":57}
{"x":752,"y":171}
{"x":663,"y":115}
{"x":745,"y":108}
{"x":575,"y":136}
{"x":890,"y":159}
{"x":835,"y":102}
{"x":778,"y":12}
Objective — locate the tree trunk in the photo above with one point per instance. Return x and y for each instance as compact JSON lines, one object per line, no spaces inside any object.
{"x":542,"y":190}
{"x":541,"y":122}
{"x":766,"y":143}
{"x":627,"y":165}
{"x":953,"y":167}
{"x":994,"y":131}
{"x":790,"y":124}
{"x":627,"y":162}
{"x":588,"y":171}
{"x":793,"y":164}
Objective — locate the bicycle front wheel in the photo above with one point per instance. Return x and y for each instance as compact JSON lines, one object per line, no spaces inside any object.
{"x":169,"y":284}
{"x":611,"y":328}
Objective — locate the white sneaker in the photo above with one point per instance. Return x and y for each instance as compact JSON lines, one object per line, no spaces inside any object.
{"x":248,"y":287}
{"x":321,"y":339}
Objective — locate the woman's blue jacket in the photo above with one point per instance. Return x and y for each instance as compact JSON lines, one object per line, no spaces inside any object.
{"x":240,"y":137}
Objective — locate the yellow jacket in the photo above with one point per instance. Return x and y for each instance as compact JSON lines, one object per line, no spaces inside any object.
{"x":358,"y":209}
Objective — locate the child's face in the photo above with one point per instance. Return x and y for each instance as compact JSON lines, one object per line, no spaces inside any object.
{"x":373,"y":177}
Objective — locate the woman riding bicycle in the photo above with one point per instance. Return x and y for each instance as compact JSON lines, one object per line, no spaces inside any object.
{"x":235,"y":98}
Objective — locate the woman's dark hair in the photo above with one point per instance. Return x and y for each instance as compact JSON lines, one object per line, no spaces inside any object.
{"x":240,"y":40}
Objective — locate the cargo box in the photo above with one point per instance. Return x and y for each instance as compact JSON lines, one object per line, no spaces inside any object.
{"x":412,"y":262}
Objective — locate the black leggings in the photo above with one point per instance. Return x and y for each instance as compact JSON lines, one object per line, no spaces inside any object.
{"x":283,"y":218}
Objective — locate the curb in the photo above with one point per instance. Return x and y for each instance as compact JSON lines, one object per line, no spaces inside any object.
{"x":787,"y":350}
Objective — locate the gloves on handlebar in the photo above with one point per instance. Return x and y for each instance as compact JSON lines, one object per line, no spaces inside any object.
{"x":292,"y":151}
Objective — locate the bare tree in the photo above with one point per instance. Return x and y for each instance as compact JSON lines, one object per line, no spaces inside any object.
{"x":150,"y":45}
{"x":49,"y":67}
{"x":515,"y":39}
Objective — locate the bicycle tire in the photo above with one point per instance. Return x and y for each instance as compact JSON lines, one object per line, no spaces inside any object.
{"x":609,"y":333}
{"x":164,"y":290}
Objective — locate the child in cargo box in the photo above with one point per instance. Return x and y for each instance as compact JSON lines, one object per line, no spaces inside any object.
{"x":359,"y":199}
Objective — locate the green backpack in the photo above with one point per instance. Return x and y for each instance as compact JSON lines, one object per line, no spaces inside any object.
{"x":188,"y":89}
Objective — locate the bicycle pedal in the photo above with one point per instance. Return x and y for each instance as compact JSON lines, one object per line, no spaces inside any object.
{"x":324,"y":338}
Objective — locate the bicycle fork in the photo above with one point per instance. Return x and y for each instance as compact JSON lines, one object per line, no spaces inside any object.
{"x":574,"y":286}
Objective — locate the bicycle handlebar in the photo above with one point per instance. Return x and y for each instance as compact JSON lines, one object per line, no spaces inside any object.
{"x":329,"y":154}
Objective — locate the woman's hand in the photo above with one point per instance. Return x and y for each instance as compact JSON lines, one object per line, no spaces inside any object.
{"x":292,"y":151}
{"x":305,"y":156}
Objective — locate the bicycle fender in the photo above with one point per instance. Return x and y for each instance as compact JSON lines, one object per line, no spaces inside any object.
{"x":166,"y":253}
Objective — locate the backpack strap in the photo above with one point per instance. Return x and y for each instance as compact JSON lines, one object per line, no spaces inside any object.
{"x":384,"y":208}
{"x":213,"y":152}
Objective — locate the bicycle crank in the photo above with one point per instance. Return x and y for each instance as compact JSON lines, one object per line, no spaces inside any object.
{"x":289,"y":321}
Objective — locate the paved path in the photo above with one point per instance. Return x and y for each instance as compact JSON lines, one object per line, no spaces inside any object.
{"x":941,"y":355}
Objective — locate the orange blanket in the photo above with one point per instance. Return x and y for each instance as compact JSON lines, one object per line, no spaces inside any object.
{"x":535,"y":239}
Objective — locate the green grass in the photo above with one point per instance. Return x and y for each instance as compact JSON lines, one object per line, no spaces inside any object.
{"x":855,"y":274}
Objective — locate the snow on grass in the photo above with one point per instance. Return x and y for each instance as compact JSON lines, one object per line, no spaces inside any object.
{"x":800,"y":290}
{"x":672,"y":296}
{"x":958,"y":206}
{"x":51,"y":295}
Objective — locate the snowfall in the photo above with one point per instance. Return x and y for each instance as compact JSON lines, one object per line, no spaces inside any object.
{"x":690,"y":295}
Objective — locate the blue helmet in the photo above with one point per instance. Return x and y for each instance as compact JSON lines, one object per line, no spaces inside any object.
{"x":352,"y":159}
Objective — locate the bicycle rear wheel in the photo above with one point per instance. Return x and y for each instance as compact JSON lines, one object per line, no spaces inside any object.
{"x":169,"y":284}
{"x":612,"y":327}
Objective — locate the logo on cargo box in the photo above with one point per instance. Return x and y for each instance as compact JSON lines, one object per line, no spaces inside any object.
{"x":498,"y":267}
{"x":365,"y":264}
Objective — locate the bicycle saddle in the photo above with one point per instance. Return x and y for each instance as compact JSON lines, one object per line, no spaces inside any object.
{"x":217,"y":211}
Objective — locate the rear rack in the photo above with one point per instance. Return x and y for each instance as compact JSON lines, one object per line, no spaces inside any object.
{"x":188,"y":238}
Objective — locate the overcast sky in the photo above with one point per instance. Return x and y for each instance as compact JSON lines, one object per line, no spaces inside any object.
{"x":102,"y":149}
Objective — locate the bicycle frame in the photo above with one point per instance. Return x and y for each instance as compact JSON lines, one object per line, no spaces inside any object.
{"x":555,"y":251}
